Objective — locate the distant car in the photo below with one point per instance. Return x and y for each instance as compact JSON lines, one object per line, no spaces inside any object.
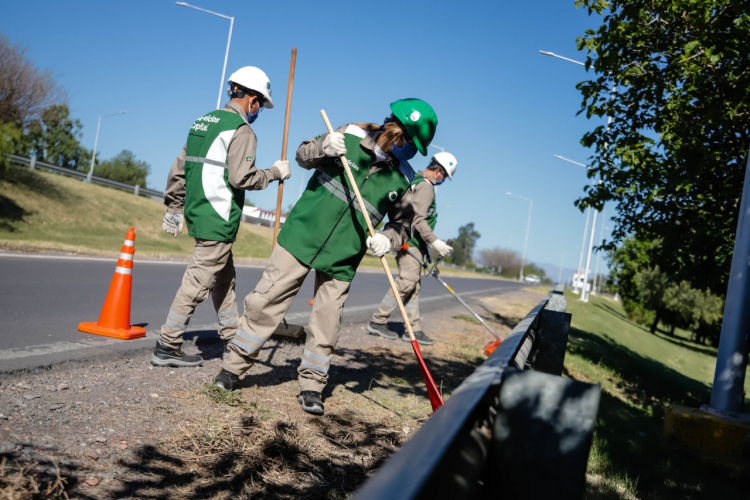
{"x":532,"y":278}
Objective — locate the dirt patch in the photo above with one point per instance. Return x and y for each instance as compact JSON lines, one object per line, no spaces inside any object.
{"x":117,"y":428}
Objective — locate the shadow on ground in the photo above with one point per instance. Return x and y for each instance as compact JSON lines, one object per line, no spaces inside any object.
{"x":11,"y":214}
{"x":263,"y":458}
{"x":628,"y":439}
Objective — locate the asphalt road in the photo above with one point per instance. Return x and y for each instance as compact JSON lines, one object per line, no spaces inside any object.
{"x":42,"y":300}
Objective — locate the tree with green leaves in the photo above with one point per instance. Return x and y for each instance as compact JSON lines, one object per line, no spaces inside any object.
{"x":626,"y":261}
{"x":464,"y":244}
{"x":674,"y":76}
{"x":124,"y":167}
{"x":55,"y":138}
{"x":651,"y":285}
{"x":24,"y":92}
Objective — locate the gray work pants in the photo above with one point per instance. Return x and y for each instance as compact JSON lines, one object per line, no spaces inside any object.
{"x":211,"y":270}
{"x":266,"y":306}
{"x":408,"y":286}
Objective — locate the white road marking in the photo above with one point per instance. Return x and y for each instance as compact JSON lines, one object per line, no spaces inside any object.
{"x":57,"y":347}
{"x":113,"y":259}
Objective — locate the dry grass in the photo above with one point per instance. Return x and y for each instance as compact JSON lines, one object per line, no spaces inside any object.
{"x":26,"y":481}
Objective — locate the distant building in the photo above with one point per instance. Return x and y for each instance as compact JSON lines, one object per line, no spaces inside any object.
{"x":260,"y":217}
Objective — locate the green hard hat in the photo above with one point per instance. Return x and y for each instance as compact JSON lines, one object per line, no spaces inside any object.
{"x":419,"y":120}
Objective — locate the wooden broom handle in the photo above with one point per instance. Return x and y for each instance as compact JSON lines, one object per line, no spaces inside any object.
{"x":285,"y":140}
{"x":363,"y":208}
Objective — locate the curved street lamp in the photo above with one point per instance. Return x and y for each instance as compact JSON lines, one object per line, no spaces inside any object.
{"x":526,"y":238}
{"x":96,"y":142}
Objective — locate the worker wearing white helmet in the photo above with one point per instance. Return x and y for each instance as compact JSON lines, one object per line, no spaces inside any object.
{"x":422,"y":195}
{"x":206,"y":188}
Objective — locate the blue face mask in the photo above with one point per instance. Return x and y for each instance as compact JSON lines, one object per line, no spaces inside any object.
{"x":251,"y":117}
{"x":405,"y":152}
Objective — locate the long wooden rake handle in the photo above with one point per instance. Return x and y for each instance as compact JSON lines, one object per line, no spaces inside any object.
{"x":284,"y":142}
{"x":435,"y":397}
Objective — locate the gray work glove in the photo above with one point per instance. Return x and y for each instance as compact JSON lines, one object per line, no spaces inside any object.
{"x":284,"y":171}
{"x":173,"y":223}
{"x":442,"y":247}
{"x":333,"y":144}
{"x":379,"y":244}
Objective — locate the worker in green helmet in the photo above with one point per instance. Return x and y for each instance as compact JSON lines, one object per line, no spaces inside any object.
{"x":326,"y":232}
{"x":422,"y":197}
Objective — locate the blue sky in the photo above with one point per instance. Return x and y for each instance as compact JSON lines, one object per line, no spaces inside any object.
{"x":504,"y":110}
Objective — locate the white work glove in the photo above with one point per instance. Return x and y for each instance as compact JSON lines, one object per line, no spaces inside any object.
{"x":333,"y":144}
{"x":379,"y":244}
{"x":173,"y":223}
{"x":284,"y":171}
{"x":442,"y":247}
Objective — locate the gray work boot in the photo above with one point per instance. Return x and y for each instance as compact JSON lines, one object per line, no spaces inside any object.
{"x":311,"y":401}
{"x":422,"y":339}
{"x":225,"y":380}
{"x":166,"y":356}
{"x":381,"y":329}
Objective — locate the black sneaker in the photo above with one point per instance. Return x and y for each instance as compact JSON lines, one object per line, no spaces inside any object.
{"x":225,"y":380}
{"x":311,"y":402}
{"x":422,"y":339}
{"x":166,"y":356}
{"x":382,"y":330}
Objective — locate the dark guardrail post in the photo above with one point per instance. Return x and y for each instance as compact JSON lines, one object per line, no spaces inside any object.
{"x":514,"y":428}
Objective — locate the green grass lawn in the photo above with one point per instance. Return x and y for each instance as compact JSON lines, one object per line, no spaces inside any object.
{"x":641,"y":374}
{"x":40,"y":211}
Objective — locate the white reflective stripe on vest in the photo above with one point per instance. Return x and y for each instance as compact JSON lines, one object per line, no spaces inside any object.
{"x":344,"y":194}
{"x":207,"y":161}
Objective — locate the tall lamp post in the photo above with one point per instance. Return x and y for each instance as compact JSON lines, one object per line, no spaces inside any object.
{"x":526,"y":238}
{"x":229,"y":41}
{"x":584,"y":295}
{"x":96,"y":142}
{"x":586,"y":225}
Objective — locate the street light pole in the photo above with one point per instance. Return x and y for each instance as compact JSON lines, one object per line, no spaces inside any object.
{"x":229,"y":41}
{"x":96,"y":143}
{"x":598,"y":254}
{"x":586,"y":226}
{"x":584,"y":295}
{"x":526,"y":238}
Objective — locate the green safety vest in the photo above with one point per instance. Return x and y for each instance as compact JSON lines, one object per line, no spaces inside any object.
{"x":326,"y":229}
{"x":431,"y":217}
{"x":212,"y":206}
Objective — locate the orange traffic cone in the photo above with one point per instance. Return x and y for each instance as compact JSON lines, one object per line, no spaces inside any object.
{"x":114,"y":321}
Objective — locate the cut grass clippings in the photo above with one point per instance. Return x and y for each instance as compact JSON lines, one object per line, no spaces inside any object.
{"x":641,"y":374}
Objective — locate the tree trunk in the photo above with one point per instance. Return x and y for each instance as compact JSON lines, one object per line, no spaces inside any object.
{"x":655,"y":324}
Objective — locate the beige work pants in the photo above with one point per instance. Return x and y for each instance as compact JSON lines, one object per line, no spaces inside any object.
{"x":211,"y":270}
{"x":266,"y":306}
{"x":408,"y":286}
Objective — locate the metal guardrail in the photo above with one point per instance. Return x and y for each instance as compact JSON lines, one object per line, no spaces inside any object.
{"x":33,"y":164}
{"x":514,"y":427}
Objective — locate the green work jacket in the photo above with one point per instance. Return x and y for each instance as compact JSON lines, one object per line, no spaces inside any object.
{"x":326,"y":229}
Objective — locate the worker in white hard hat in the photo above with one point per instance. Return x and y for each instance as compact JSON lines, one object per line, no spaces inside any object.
{"x":422,"y":194}
{"x":206,"y":188}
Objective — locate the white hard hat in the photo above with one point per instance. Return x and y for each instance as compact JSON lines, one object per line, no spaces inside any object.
{"x":448,"y":162}
{"x":253,"y":78}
